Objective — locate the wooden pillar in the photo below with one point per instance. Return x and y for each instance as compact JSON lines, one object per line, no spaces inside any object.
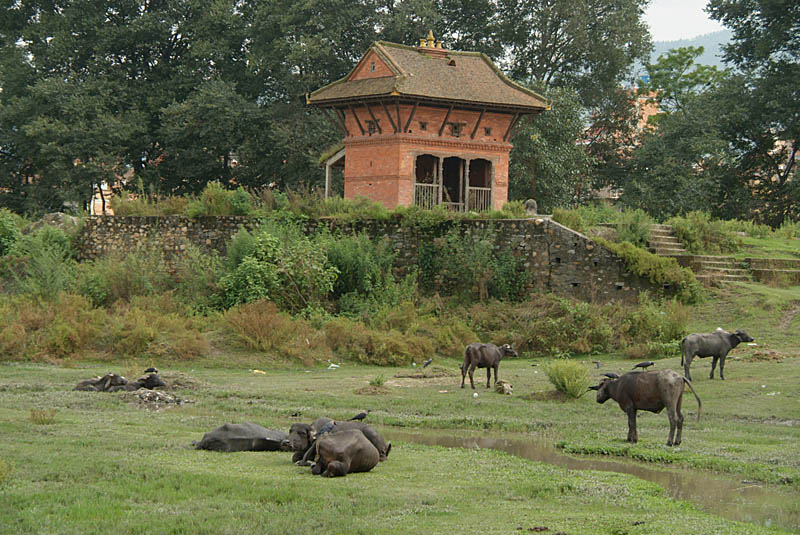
{"x":327,"y":179}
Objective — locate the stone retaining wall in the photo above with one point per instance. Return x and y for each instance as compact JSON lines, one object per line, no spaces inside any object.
{"x":559,"y":260}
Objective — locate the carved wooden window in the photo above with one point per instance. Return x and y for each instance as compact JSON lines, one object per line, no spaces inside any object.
{"x":423,"y":125}
{"x":456,"y":129}
{"x":372,"y":126}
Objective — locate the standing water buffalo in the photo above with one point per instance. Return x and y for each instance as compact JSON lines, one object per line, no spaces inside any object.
{"x":648,"y":391}
{"x":487,"y":356}
{"x":716,"y":344}
{"x":344,"y":452}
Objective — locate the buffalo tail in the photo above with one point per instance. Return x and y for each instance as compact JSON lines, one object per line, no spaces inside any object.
{"x":699,"y":403}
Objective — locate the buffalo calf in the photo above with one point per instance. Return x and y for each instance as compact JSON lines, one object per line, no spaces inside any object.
{"x":484,"y":356}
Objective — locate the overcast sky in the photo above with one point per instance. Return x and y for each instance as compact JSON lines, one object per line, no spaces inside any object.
{"x":671,"y":20}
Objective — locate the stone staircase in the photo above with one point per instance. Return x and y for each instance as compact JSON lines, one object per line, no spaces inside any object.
{"x":775,"y":270}
{"x":707,"y":269}
{"x":663,"y":242}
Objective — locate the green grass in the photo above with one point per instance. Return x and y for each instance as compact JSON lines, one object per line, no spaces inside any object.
{"x":769,"y":247}
{"x":104,"y":463}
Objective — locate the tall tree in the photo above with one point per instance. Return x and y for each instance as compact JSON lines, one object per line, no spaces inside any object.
{"x":589,"y":45}
{"x":765,"y":48}
{"x":546,"y":163}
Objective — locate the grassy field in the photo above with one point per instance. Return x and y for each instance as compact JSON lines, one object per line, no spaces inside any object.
{"x":102,"y":462}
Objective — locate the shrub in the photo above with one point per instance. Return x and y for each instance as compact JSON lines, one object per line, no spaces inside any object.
{"x":701,"y":235}
{"x":355,"y":341}
{"x":378,"y":380}
{"x":634,"y":227}
{"x":9,"y":230}
{"x":141,"y":271}
{"x":789,"y":229}
{"x":657,"y":269}
{"x":43,"y":416}
{"x":260,"y":325}
{"x":569,"y":218}
{"x":568,"y":377}
{"x":45,"y":268}
{"x":214,"y":200}
{"x":197,"y":279}
{"x":284,"y":266}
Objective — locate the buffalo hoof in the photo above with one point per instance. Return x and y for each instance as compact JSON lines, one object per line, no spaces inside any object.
{"x":316,"y":469}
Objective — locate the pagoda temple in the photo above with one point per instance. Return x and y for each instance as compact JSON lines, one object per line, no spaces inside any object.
{"x":426,"y":126}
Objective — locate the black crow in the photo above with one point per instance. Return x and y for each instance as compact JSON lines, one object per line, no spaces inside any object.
{"x":427,"y":363}
{"x":611,"y":375}
{"x":644,"y":365}
{"x":151,"y":369}
{"x":360,"y":415}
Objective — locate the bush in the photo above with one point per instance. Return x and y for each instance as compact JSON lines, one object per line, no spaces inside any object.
{"x":569,"y":218}
{"x":284,"y":266}
{"x":700,"y":235}
{"x":634,"y":227}
{"x":197,"y":279}
{"x":658,"y":270}
{"x":9,"y":230}
{"x":45,"y":268}
{"x":568,"y":377}
{"x":788,"y":230}
{"x":355,"y":341}
{"x":259,"y":325}
{"x":140,"y":272}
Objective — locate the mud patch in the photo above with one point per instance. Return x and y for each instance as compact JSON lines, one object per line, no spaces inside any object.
{"x":788,"y":317}
{"x":769,"y":356}
{"x":433,"y":372}
{"x":182,"y":381}
{"x":372,"y":390}
{"x":154,"y":399}
{"x":546,"y":395}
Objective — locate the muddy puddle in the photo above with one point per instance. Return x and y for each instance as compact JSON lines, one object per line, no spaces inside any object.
{"x":731,"y":498}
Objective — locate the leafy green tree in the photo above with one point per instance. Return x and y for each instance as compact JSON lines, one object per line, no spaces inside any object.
{"x":589,"y":45}
{"x":546,"y":163}
{"x":675,"y":77}
{"x":765,"y":48}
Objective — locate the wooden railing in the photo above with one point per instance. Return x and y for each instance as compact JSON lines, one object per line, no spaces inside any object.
{"x":480,"y":199}
{"x":426,"y":195}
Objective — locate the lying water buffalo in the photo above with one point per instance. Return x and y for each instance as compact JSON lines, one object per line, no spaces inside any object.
{"x":648,"y":391}
{"x":242,"y":437}
{"x":344,"y":452}
{"x":102,"y":384}
{"x":487,"y":356}
{"x":302,"y":437}
{"x":149,"y":382}
{"x":716,"y":344}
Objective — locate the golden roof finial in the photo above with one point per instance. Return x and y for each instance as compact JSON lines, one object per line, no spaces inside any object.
{"x":430,"y":40}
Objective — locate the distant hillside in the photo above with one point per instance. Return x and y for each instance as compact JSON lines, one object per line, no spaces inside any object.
{"x":712,"y":42}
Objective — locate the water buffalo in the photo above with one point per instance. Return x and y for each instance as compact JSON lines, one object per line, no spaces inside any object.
{"x":648,"y":391}
{"x":344,"y":452}
{"x":716,"y":344}
{"x":102,"y":384}
{"x":487,"y":356}
{"x":302,"y":437}
{"x":242,"y":437}
{"x":149,"y":382}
